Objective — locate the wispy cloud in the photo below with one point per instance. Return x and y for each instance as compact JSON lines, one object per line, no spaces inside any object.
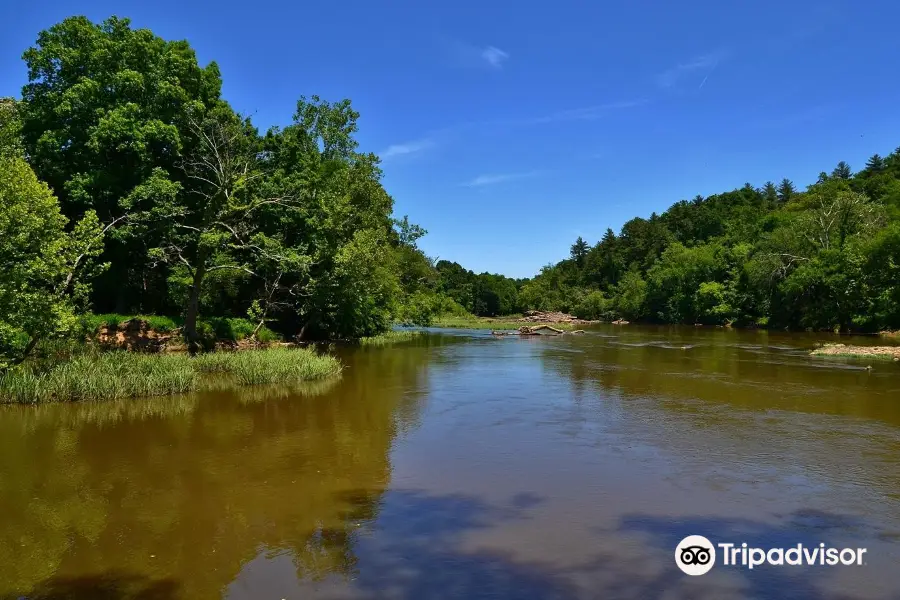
{"x":585,"y":113}
{"x":704,"y":65}
{"x":492,"y":179}
{"x":495,"y":57}
{"x":465,"y":54}
{"x":411,"y":147}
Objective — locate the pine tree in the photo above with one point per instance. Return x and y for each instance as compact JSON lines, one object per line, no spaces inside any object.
{"x":842,"y":171}
{"x":770,"y":192}
{"x":579,"y":250}
{"x":786,"y":190}
{"x":875,"y":164}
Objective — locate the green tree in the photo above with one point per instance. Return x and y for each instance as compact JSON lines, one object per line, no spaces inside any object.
{"x":842,"y":171}
{"x":875,"y":164}
{"x":336,"y":200}
{"x":39,"y":261}
{"x":786,"y":190}
{"x":10,"y":128}
{"x":579,"y":251}
{"x":595,"y":305}
{"x":770,"y":192}
{"x":215,"y":225}
{"x":106,"y":109}
{"x":631,"y":296}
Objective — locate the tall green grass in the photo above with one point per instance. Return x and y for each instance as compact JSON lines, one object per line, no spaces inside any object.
{"x":110,"y":375}
{"x":391,"y":337}
{"x":102,"y":376}
{"x":272,"y":365}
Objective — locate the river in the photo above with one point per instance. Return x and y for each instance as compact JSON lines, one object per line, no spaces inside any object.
{"x":467,"y":466}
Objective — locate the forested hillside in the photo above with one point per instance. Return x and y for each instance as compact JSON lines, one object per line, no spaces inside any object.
{"x":824,"y":258}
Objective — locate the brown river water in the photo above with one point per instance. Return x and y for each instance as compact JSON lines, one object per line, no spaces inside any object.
{"x":466,"y":466}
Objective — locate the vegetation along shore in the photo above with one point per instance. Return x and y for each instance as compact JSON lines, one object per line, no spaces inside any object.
{"x":121,"y":374}
{"x":850,"y":351}
{"x":130,"y":188}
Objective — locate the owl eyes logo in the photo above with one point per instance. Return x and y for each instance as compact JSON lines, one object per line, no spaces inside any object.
{"x":695,"y":555}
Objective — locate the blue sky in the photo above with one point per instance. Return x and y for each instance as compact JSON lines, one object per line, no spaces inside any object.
{"x":509,"y":128}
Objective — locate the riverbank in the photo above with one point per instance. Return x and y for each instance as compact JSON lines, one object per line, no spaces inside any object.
{"x":96,"y":375}
{"x":510,"y":322}
{"x":848,"y":351}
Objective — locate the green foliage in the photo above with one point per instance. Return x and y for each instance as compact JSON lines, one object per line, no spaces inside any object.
{"x":594,"y":306}
{"x":363,"y":288}
{"x":198,"y":214}
{"x":821,"y":259}
{"x":38,"y":261}
{"x":483,"y":295}
{"x":420,"y":308}
{"x":105,"y":124}
{"x":630,"y":297}
{"x":91,"y":323}
{"x":10,"y":128}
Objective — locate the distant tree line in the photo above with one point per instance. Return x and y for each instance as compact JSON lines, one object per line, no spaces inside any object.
{"x":827,"y":258}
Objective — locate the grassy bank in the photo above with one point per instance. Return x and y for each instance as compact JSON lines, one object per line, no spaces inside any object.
{"x":391,"y":337}
{"x":496,"y":323}
{"x":113,"y":375}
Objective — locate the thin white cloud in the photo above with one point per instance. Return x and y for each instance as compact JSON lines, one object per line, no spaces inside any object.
{"x":495,"y":57}
{"x":466,"y":55}
{"x":411,"y":147}
{"x":446,"y":135}
{"x":492,"y":179}
{"x":702,"y":64}
{"x":586,"y":113}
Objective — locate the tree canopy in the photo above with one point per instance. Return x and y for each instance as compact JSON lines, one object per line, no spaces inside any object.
{"x":824,"y":258}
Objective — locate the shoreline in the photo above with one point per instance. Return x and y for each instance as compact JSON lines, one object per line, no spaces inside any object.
{"x":851,"y":351}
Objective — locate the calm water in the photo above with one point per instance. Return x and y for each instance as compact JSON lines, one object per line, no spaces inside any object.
{"x":470,"y":467}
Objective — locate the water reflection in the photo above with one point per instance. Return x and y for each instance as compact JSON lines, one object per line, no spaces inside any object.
{"x":466,"y":466}
{"x":169,"y":497}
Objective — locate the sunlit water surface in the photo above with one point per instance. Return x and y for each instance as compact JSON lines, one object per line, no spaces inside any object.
{"x":467,"y":466}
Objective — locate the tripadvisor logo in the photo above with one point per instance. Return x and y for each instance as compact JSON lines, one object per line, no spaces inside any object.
{"x":696,"y":555}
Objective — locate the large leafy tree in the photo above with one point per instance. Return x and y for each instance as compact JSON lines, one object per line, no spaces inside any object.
{"x":337,"y":209}
{"x":39,"y":261}
{"x":10,"y":128}
{"x":105,"y":111}
{"x":216,"y":222}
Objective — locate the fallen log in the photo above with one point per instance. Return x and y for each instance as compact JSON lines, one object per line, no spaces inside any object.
{"x":533,"y":330}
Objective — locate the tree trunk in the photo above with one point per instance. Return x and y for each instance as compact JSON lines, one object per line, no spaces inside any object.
{"x":27,"y":351}
{"x":193,"y":309}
